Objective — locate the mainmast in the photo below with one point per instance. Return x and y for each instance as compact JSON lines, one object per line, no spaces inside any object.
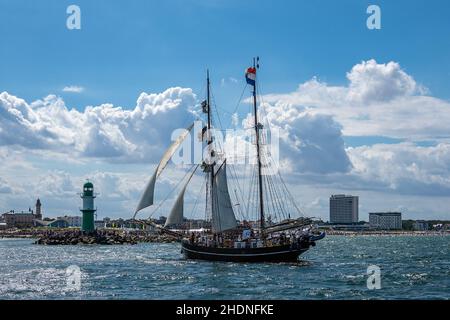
{"x":210,"y":141}
{"x":258,"y":153}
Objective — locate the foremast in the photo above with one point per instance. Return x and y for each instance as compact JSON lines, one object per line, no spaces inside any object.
{"x":210,"y":139}
{"x":222,"y":214}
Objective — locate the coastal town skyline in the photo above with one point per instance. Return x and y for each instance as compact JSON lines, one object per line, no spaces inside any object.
{"x":326,"y":217}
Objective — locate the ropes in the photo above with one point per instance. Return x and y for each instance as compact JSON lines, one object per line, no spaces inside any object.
{"x":279,"y":203}
{"x":199,"y":195}
{"x":171,"y":191}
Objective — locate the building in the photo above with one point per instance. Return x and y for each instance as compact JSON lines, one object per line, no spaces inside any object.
{"x":19,"y":219}
{"x":99,"y":224}
{"x":346,"y":227}
{"x":73,"y":221}
{"x":385,"y":220}
{"x":344,"y":209}
{"x":23,"y":219}
{"x":38,"y":209}
{"x":421,"y":225}
{"x":58,"y":223}
{"x":52,"y":223}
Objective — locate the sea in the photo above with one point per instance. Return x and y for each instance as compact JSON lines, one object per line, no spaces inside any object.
{"x":338,"y":267}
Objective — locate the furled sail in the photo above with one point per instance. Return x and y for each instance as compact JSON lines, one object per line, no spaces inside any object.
{"x":223,"y":217}
{"x":148,"y":195}
{"x":176,"y":214}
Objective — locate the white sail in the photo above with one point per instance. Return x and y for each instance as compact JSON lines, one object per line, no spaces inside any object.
{"x":223,"y":217}
{"x":148,"y":195}
{"x":176,"y":214}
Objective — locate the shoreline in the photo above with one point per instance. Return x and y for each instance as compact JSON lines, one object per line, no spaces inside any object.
{"x":385,"y":233}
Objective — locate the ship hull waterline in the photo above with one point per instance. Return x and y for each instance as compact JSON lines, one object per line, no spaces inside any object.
{"x":284,"y":253}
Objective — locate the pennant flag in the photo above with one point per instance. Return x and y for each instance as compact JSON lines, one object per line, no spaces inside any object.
{"x":250,"y":76}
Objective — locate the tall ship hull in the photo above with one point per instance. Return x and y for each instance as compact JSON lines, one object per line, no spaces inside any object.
{"x":285,"y":253}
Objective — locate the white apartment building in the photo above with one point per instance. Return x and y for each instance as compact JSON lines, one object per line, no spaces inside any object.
{"x":385,"y":220}
{"x":344,"y":209}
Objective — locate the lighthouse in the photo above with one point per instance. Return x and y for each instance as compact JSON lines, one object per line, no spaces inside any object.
{"x":88,"y":210}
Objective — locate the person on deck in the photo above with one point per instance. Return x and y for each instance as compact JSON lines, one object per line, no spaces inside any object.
{"x":282,"y":239}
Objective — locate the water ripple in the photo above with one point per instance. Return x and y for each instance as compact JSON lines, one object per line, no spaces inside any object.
{"x":411,"y":267}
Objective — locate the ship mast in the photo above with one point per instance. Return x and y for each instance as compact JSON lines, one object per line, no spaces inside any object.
{"x":258,"y":153}
{"x":210,"y":141}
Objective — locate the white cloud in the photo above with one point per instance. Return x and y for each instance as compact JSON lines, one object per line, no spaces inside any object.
{"x":308,"y":142}
{"x":380,"y":100}
{"x":404,"y":167}
{"x":371,"y":82}
{"x":73,"y":89}
{"x":103,"y":131}
{"x":229,"y":80}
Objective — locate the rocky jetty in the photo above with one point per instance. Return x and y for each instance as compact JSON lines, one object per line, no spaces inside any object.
{"x":45,"y":236}
{"x":103,"y":237}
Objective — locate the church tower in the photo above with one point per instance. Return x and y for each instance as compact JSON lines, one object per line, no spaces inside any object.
{"x":38,"y":212}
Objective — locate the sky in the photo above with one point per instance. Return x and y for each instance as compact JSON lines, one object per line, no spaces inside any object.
{"x":362,"y":111}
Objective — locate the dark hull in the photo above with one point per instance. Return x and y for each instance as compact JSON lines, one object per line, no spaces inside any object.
{"x":285,"y":253}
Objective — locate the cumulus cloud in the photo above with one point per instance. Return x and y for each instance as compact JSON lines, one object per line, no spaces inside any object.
{"x":308,"y":142}
{"x":404,"y":167}
{"x":73,"y":89}
{"x":380,"y":100}
{"x":102,"y":131}
{"x":372,"y":82}
{"x":296,"y":139}
{"x":54,"y":184}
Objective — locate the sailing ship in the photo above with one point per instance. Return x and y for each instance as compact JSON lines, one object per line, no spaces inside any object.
{"x":226,"y":238}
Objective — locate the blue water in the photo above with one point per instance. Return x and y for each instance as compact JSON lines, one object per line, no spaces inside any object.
{"x":411,"y":268}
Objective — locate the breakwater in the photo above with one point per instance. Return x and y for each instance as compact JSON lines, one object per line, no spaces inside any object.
{"x":76,"y":237}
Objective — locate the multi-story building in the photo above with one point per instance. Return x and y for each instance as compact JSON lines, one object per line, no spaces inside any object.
{"x":385,"y":220}
{"x":19,"y":219}
{"x":344,"y":209}
{"x":421,"y":225}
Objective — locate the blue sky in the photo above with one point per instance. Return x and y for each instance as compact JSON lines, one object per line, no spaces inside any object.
{"x":365,"y":111}
{"x":125,"y":48}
